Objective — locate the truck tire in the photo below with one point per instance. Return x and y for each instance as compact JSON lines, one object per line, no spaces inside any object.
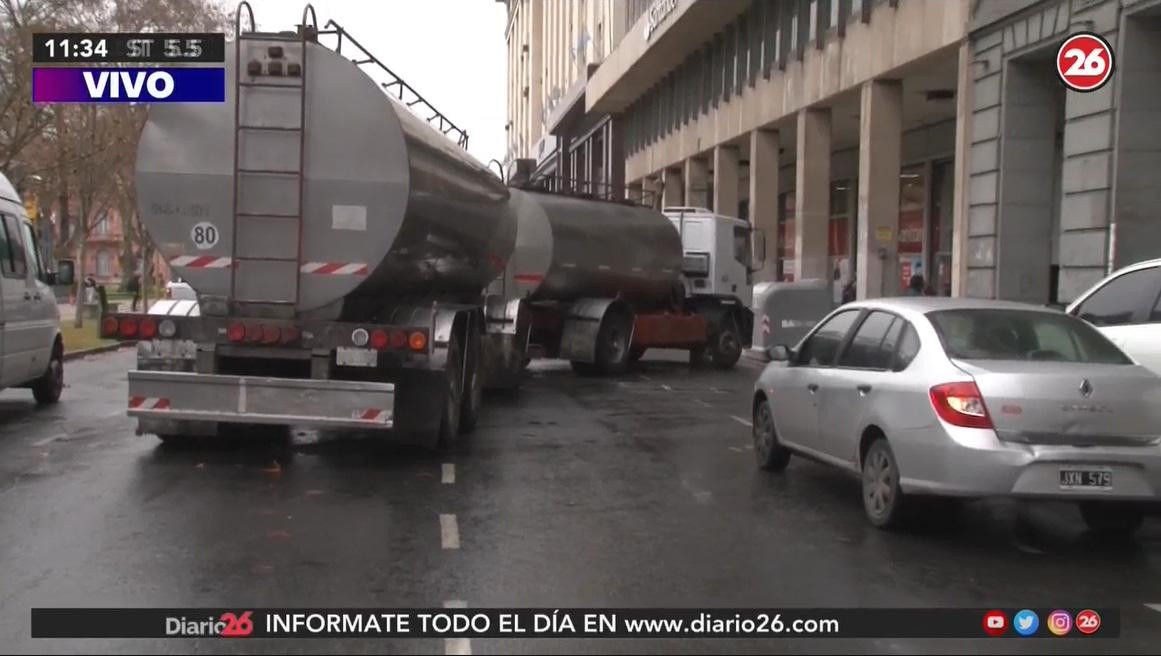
{"x":449,"y":424}
{"x":612,"y":356}
{"x":47,"y":389}
{"x":727,"y":346}
{"x":473,"y":396}
{"x":636,"y":353}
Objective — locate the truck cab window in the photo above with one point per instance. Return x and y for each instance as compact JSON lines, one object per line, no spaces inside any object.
{"x":12,"y":263}
{"x":742,"y":250}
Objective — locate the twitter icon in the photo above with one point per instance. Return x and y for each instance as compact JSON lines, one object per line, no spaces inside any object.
{"x":1026,"y":622}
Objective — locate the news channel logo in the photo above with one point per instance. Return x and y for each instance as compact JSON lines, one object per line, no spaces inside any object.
{"x":128,"y":85}
{"x":1026,"y":622}
{"x":1059,"y":622}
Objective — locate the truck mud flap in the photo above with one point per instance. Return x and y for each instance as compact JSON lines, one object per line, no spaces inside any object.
{"x":187,"y":396}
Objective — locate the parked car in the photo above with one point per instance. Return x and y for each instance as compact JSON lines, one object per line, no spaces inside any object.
{"x":959,"y":398}
{"x":180,"y":291}
{"x":1126,"y":307}
{"x":31,"y":346}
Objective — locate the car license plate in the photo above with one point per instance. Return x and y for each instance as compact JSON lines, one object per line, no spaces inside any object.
{"x":356,"y":357}
{"x":1086,"y":478}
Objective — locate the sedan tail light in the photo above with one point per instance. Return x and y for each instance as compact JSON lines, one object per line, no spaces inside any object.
{"x":960,"y":404}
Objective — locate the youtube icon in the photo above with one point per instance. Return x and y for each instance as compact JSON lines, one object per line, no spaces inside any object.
{"x":995,"y":623}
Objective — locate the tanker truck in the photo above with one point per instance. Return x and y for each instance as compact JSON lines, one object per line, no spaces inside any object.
{"x":356,"y":269}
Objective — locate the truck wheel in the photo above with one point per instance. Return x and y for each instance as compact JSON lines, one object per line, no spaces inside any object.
{"x":727,"y":347}
{"x":612,"y":346}
{"x":47,"y":389}
{"x":583,"y":368}
{"x":474,"y":386}
{"x":449,"y":425}
{"x":697,"y":356}
{"x":636,"y":353}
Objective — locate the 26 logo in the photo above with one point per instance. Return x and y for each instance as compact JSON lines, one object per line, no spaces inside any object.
{"x":237,"y":626}
{"x":1084,"y":62}
{"x":1088,"y":621}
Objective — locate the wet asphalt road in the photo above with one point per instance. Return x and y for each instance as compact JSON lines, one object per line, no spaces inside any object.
{"x":634,"y":492}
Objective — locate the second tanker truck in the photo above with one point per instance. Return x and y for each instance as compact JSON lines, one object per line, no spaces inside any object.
{"x":355,"y":269}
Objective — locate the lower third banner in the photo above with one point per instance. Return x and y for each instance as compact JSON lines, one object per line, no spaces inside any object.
{"x":573,"y":623}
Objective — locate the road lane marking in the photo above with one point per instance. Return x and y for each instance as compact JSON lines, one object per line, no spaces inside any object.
{"x":456,"y":645}
{"x":702,"y":403}
{"x":449,"y":532}
{"x":50,"y":439}
{"x":741,"y":421}
{"x":666,"y":387}
{"x":644,"y":377}
{"x":449,"y":473}
{"x":735,"y":448}
{"x":1156,"y":607}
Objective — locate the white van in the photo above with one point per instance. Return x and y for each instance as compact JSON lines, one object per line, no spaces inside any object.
{"x":1126,"y":307}
{"x":31,"y":349}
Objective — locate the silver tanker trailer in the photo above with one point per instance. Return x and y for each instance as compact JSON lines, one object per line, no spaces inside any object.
{"x":357,"y":270}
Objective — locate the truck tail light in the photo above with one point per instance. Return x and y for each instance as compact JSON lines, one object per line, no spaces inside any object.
{"x":236,"y":332}
{"x":417,"y":341}
{"x":398,"y":339}
{"x":128,"y":328}
{"x":110,"y":327}
{"x":960,"y":404}
{"x":254,"y":333}
{"x":270,"y":334}
{"x":290,"y":334}
{"x":147,"y":328}
{"x":379,"y":339}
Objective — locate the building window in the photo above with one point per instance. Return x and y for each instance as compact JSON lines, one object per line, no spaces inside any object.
{"x":104,"y":264}
{"x":785,"y":241}
{"x":101,"y":227}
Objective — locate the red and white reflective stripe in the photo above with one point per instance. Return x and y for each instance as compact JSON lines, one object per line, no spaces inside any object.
{"x":372,"y":414}
{"x":765,"y":324}
{"x":148,"y":403}
{"x":530,"y":278}
{"x":202,"y":262}
{"x":335,"y":268}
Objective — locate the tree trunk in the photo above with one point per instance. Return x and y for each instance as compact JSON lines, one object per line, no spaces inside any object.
{"x":80,"y":283}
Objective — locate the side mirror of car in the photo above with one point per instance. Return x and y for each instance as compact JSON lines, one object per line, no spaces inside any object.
{"x":779,"y":353}
{"x":65,"y":273}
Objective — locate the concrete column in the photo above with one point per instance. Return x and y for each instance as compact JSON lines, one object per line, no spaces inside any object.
{"x":963,"y":143}
{"x":764,"y":197}
{"x":812,"y":194}
{"x":673,"y":190}
{"x":726,"y":180}
{"x":697,"y":182}
{"x":880,"y":153}
{"x":615,"y":164}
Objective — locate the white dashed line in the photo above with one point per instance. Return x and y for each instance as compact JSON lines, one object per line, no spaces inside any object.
{"x":49,"y":440}
{"x":644,"y":377}
{"x":702,"y":403}
{"x":738,"y":449}
{"x":666,"y":388}
{"x":449,"y":532}
{"x":456,"y":645}
{"x":741,"y":421}
{"x":449,"y":473}
{"x":1156,"y":607}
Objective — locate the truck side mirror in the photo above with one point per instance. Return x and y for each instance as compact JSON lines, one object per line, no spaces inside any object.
{"x":757,"y":249}
{"x":65,"y":273}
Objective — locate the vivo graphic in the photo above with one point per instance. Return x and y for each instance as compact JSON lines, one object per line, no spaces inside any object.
{"x":128,"y":85}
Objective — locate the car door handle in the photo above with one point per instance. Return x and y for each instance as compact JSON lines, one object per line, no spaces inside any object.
{"x":864,"y":389}
{"x":813,"y":387}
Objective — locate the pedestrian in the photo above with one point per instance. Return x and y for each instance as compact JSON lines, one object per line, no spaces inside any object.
{"x":917,"y":285}
{"x":849,"y":292}
{"x":90,"y":291}
{"x":134,"y":287}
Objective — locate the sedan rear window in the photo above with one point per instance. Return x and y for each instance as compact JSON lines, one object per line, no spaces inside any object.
{"x":986,"y":334}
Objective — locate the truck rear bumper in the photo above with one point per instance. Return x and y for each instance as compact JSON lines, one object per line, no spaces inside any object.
{"x":177,"y":395}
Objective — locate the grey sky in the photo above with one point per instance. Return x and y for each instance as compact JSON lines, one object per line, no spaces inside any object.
{"x":451,"y":51}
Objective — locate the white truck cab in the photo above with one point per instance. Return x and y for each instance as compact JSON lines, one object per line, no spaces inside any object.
{"x":720,"y":252}
{"x":31,"y":347}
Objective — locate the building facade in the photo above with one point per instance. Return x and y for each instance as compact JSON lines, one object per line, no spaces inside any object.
{"x":876,"y":140}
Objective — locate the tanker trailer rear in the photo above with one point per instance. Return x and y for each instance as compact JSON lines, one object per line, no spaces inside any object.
{"x":600,"y":281}
{"x":339,"y":246}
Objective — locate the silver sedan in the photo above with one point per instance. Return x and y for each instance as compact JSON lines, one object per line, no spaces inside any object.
{"x":959,"y":398}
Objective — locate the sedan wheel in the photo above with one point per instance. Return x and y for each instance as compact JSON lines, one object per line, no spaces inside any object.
{"x":771,"y":455}
{"x":882,"y":497}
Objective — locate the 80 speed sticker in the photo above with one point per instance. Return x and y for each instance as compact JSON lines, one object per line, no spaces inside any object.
{"x":204,"y":235}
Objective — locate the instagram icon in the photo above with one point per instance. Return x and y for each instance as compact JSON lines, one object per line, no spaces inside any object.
{"x":1059,"y":622}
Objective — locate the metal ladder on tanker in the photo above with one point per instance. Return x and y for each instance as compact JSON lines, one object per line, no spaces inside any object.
{"x":243,"y":259}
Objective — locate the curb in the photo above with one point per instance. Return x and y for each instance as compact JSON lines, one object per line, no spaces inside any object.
{"x":74,"y":355}
{"x":756,"y":355}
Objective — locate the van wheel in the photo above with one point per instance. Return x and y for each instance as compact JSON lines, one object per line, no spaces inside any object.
{"x":1111,"y":518}
{"x":449,"y":425}
{"x":48,"y":388}
{"x":883,"y":499}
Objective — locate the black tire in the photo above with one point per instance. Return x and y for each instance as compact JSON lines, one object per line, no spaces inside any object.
{"x":47,"y":389}
{"x":473,"y":398}
{"x":583,"y":368}
{"x":697,"y":356}
{"x":612,"y":349}
{"x":636,"y":353}
{"x":727,"y":346}
{"x":449,"y":425}
{"x":883,"y":499}
{"x":1112,"y":518}
{"x":771,"y":455}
